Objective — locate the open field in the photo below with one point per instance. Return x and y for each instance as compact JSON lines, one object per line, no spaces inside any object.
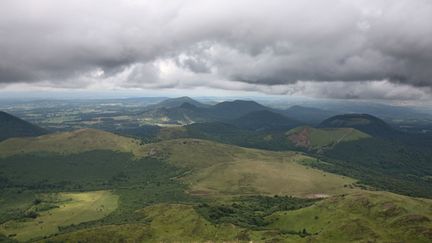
{"x":69,"y":208}
{"x":271,"y":177}
{"x":235,"y":171}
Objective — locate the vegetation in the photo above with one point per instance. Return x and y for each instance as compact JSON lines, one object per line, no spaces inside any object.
{"x":70,"y":142}
{"x":70,"y":208}
{"x":165,"y":223}
{"x":362,"y":216}
{"x":383,"y":164}
{"x":187,"y":189}
{"x":237,"y":171}
{"x":14,"y":203}
{"x":100,"y":169}
{"x":135,"y":182}
{"x":399,"y":164}
{"x":370,"y":216}
{"x":318,"y":139}
{"x":366,"y":123}
{"x":250,"y":211}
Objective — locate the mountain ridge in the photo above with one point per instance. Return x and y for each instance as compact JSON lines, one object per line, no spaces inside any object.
{"x":364,"y":122}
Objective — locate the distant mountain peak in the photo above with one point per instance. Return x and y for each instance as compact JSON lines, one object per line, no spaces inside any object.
{"x":234,"y":109}
{"x":317,"y":138}
{"x":363,"y":122}
{"x":240,"y":104}
{"x":182,"y":99}
{"x":176,"y":102}
{"x":353,"y":119}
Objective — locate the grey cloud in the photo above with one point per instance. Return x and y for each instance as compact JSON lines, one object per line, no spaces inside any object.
{"x":353,"y":90}
{"x":262,"y":43}
{"x":197,"y":66}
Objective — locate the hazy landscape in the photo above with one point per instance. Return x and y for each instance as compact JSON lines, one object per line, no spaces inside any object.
{"x":130,"y":121}
{"x":178,"y":169}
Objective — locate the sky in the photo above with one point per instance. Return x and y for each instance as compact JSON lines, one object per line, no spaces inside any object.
{"x":338,"y":49}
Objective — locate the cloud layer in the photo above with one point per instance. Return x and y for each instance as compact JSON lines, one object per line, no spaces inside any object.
{"x":244,"y":44}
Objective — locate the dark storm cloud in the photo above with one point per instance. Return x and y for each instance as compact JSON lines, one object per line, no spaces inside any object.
{"x":254,"y":42}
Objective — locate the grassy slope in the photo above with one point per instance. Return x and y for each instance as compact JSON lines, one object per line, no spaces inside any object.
{"x":230,"y":170}
{"x":358,"y":217}
{"x":316,"y":138}
{"x":213,"y":167}
{"x":362,"y":216}
{"x":70,"y":142}
{"x":399,"y":165}
{"x":73,"y":208}
{"x":284,"y":177}
{"x":169,"y":222}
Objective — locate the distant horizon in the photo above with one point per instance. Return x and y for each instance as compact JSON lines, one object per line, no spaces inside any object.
{"x":125,"y":94}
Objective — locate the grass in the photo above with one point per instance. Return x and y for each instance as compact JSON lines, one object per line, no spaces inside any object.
{"x":361,"y":217}
{"x":250,"y":211}
{"x":400,"y":165}
{"x":71,"y":143}
{"x":218,"y":169}
{"x":14,"y":203}
{"x":193,"y":153}
{"x":106,"y":233}
{"x":315,"y":138}
{"x":271,"y":177}
{"x":358,"y":217}
{"x":167,"y":223}
{"x":71,"y":208}
{"x":149,"y":203}
{"x":182,"y":222}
